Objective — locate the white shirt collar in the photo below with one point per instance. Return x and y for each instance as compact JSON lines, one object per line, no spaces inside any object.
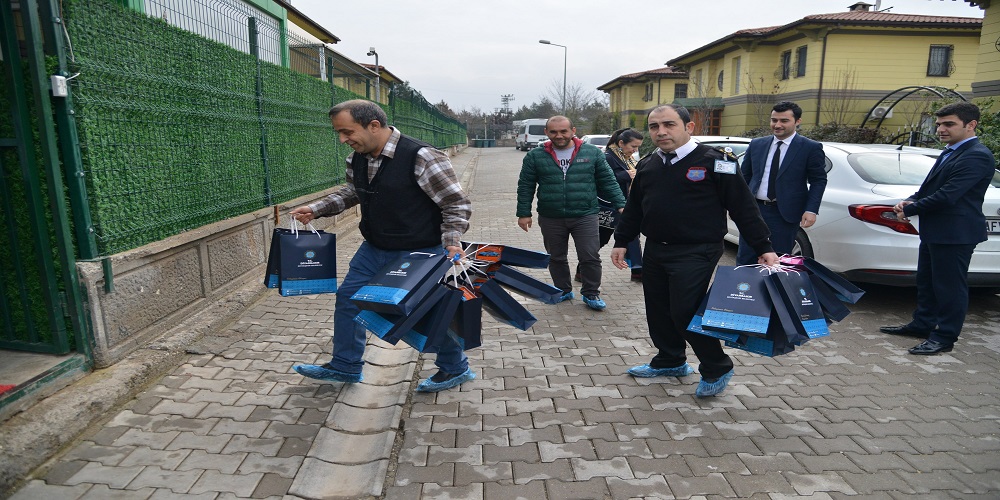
{"x":681,"y":152}
{"x":785,"y":141}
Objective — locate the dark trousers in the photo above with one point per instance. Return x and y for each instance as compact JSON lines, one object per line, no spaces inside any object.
{"x":675,"y":279}
{"x":942,"y":290}
{"x":782,"y":235}
{"x":555,"y":235}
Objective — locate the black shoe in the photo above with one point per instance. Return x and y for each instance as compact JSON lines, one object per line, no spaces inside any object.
{"x":905,"y":330}
{"x":930,"y":347}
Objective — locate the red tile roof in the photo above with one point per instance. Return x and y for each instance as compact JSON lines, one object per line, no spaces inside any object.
{"x":665,"y":71}
{"x":889,"y":17}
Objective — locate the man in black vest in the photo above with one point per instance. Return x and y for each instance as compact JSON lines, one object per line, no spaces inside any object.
{"x":411,"y":201}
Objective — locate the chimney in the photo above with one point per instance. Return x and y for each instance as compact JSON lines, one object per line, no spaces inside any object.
{"x":860,"y":7}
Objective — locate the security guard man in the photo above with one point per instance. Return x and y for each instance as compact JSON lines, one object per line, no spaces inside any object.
{"x":679,"y":199}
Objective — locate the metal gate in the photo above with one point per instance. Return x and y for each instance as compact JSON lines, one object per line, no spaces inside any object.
{"x":40,"y":308}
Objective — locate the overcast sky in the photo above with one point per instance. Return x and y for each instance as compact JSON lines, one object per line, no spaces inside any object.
{"x":469,"y":52}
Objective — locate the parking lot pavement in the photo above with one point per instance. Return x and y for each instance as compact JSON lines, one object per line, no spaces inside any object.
{"x":552,"y":414}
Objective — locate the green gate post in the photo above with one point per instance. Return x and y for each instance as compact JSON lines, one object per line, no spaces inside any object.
{"x":259,"y":94}
{"x":50,"y":155}
{"x":28,"y":163}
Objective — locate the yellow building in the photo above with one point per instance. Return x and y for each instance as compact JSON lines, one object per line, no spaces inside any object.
{"x":835,"y":66}
{"x":987,"y":80}
{"x":634,"y":95}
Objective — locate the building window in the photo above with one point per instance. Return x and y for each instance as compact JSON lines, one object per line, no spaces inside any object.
{"x":648,"y":95}
{"x":720,"y":82}
{"x":939,"y":62}
{"x":736,"y":75}
{"x":800,"y":61}
{"x":698,"y":83}
{"x":680,"y":90}
{"x":786,"y":64}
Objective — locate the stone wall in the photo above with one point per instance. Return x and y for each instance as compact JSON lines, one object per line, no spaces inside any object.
{"x":160,"y":285}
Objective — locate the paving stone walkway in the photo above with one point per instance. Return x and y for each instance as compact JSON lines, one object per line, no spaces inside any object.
{"x":552,"y":414}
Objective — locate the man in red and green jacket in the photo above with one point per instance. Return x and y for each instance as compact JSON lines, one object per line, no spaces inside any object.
{"x":568,"y":176}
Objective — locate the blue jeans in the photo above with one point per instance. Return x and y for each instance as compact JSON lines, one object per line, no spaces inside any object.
{"x":349,"y":338}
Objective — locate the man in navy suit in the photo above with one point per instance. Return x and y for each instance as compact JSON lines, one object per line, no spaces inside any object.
{"x":949,"y":207}
{"x":787,"y":174}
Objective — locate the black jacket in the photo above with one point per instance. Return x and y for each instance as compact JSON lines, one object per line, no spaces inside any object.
{"x":687,"y":203}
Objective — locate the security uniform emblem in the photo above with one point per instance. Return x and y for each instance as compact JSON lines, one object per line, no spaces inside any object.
{"x":696,"y":174}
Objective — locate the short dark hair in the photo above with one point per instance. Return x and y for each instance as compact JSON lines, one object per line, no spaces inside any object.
{"x":965,"y":111}
{"x":783,"y":106}
{"x":558,"y":117}
{"x":682,"y":112}
{"x":626,"y":135}
{"x":363,"y":112}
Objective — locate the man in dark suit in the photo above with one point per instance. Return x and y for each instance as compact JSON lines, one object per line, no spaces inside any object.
{"x":786,"y":172}
{"x":949,"y":205}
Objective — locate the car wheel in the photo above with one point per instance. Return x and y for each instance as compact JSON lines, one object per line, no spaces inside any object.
{"x":802,"y":246}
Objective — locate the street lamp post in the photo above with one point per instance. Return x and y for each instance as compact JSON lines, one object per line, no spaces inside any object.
{"x":546,"y":42}
{"x":378,"y":83}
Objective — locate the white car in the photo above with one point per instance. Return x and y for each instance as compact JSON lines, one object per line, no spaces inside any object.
{"x":599,"y":140}
{"x":856,"y":232}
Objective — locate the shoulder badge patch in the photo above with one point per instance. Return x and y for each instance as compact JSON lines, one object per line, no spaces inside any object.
{"x":727,"y":152}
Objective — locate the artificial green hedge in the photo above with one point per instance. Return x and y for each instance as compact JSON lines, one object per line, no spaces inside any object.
{"x":174,"y":134}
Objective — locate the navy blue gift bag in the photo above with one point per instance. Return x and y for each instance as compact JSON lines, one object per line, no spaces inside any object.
{"x":274,"y":259}
{"x":796,"y":293}
{"x":307,"y":262}
{"x":784,"y":322}
{"x":833,"y":308}
{"x":430,"y":334}
{"x":607,"y":215}
{"x":467,"y":325}
{"x":844,"y":289}
{"x":400,"y":286}
{"x":738,"y":302}
{"x":695,"y":325}
{"x":502,"y":306}
{"x":506,"y":254}
{"x":527,"y":285}
{"x":392,"y":327}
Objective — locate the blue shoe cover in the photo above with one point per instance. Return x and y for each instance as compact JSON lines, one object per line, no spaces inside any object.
{"x":429,"y":385}
{"x":646,"y":371}
{"x":706,"y":389}
{"x":324,"y":372}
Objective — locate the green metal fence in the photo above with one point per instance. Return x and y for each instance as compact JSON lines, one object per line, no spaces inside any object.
{"x":187,"y":115}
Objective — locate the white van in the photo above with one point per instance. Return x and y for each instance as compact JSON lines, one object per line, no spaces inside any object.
{"x":529,"y":133}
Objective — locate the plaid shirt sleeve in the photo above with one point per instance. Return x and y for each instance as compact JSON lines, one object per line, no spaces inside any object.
{"x":437,"y":178}
{"x":341,"y":199}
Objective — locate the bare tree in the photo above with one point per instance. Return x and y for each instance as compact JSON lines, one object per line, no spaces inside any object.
{"x":581,"y":105}
{"x":839,"y":105}
{"x":761,"y":96}
{"x":702,"y":111}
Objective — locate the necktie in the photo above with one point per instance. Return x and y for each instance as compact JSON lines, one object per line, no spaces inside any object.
{"x":942,"y":157}
{"x":669,"y":158}
{"x":944,"y":154}
{"x":772,"y":177}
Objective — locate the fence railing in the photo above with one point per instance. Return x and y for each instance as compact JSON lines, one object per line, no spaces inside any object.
{"x":199,"y":110}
